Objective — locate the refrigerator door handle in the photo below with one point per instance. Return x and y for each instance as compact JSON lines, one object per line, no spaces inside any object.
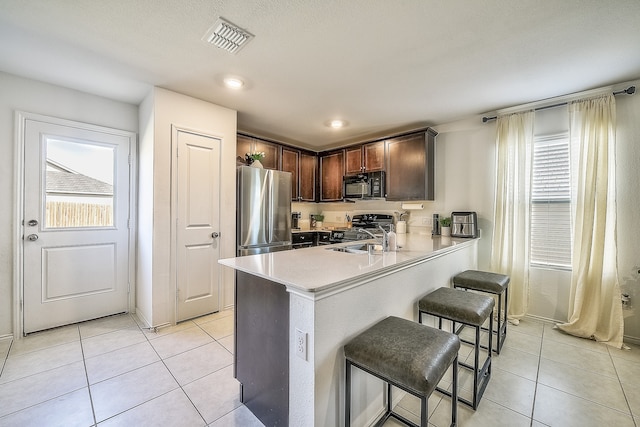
{"x":270,"y":208}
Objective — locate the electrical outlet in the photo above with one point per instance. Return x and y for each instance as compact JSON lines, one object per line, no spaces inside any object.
{"x":301,"y":344}
{"x":427,"y":220}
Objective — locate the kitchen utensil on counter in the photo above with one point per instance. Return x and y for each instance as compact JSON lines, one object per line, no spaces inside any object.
{"x":464,"y":224}
{"x":435,"y":227}
{"x":295,"y":220}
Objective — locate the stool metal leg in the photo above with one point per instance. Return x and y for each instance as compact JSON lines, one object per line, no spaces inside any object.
{"x":347,"y":395}
{"x":424,"y":411}
{"x":454,"y":394}
{"x":502,"y":333}
{"x":476,"y":365}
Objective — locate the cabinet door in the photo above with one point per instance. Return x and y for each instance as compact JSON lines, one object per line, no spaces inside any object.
{"x":410,"y":167}
{"x":331,"y":172}
{"x":271,"y":152}
{"x":248,"y":144}
{"x":290,"y":163}
{"x":308,"y":169}
{"x":244,"y":145}
{"x":353,"y":161}
{"x":373,"y":155}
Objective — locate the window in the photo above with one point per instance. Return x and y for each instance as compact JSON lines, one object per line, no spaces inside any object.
{"x":551,"y":203}
{"x":79,"y":183}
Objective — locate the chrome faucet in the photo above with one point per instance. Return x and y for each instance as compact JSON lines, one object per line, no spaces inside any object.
{"x":385,"y":237}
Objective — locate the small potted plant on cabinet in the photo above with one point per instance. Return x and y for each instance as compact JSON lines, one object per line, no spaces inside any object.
{"x":253,"y":159}
{"x":445,"y":226}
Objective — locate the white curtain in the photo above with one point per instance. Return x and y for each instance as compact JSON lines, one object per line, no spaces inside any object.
{"x":595,"y":309}
{"x":510,"y":246}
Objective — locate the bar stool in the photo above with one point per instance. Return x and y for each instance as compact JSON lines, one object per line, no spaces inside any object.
{"x":468,"y":309}
{"x":406,"y":355}
{"x":492,"y":283}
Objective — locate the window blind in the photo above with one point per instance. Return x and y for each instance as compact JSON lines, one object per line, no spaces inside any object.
{"x":551,"y":203}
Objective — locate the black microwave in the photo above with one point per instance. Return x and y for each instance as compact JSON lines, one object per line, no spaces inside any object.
{"x":368,"y":185}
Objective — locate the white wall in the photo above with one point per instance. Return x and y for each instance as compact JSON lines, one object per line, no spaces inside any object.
{"x":628,"y":195}
{"x":159,"y":111}
{"x":20,"y":94}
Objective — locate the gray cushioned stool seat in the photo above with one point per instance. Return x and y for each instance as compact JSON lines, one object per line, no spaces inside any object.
{"x":405,"y":354}
{"x":467,"y":309}
{"x":481,"y":281}
{"x":472,"y":309}
{"x":493,"y":283}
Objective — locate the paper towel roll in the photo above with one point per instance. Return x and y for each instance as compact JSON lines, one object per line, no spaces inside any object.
{"x":412,"y":206}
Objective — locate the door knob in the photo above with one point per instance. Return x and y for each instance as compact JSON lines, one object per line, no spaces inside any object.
{"x":215,"y":234}
{"x":32,"y":237}
{"x":32,"y":223}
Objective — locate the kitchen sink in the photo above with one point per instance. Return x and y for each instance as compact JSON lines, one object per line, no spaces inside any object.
{"x":360,"y":248}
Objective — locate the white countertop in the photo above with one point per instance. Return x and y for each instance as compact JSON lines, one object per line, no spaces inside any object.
{"x":319,"y":269}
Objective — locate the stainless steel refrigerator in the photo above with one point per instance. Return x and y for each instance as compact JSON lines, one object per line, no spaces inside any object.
{"x":264,"y":211}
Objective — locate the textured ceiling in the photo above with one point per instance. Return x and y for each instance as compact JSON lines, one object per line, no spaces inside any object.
{"x":381,"y":65}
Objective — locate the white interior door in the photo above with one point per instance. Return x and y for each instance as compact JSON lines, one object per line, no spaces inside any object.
{"x":75,"y":225}
{"x":197,"y":224}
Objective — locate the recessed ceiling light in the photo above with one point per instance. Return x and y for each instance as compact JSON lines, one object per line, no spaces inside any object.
{"x":336,"y":124}
{"x":233,"y":83}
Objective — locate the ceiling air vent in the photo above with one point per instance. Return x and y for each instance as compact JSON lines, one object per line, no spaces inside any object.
{"x":227,"y":36}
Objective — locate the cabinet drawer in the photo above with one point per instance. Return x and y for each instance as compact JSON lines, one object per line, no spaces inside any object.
{"x":323,"y":238}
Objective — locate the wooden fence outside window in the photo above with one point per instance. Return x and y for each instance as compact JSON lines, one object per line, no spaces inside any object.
{"x":70,"y":214}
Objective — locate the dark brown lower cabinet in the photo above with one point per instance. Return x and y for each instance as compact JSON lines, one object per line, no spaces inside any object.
{"x":262,"y":347}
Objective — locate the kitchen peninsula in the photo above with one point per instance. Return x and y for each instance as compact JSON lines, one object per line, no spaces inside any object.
{"x":296,"y":309}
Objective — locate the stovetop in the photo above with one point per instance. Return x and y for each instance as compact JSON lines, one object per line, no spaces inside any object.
{"x":368,"y":221}
{"x":371,"y":220}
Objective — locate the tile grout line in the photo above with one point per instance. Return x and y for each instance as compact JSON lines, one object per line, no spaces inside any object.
{"x":624,"y":393}
{"x":86,"y":375}
{"x":173,"y":376}
{"x":6,"y":357}
{"x":535,"y":390}
{"x":593,"y":402}
{"x":141,"y":403}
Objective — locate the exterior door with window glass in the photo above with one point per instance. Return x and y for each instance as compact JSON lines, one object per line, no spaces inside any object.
{"x":75,"y":225}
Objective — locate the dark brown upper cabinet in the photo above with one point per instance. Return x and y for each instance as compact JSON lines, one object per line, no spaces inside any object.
{"x":410,"y":166}
{"x":249,"y":144}
{"x":364,"y":158}
{"x":307,"y":177}
{"x":331,"y":173}
{"x":291,"y":163}
{"x":303,"y":167}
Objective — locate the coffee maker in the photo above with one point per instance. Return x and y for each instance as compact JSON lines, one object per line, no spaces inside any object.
{"x":295,"y":220}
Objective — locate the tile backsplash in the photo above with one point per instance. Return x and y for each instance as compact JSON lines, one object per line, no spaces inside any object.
{"x":335,"y":214}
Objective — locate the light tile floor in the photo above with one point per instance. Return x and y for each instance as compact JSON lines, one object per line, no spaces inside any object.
{"x":110,"y":372}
